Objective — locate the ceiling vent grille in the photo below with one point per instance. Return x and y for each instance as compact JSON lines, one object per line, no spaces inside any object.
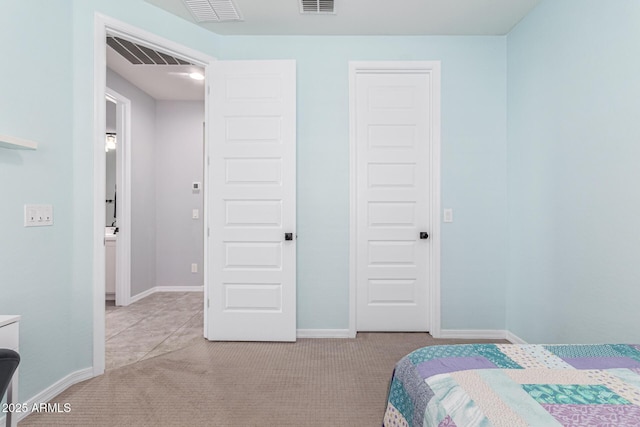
{"x":142,"y":55}
{"x":213,"y":10}
{"x":317,"y":6}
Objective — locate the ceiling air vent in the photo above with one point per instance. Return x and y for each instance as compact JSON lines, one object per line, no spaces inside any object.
{"x":213,"y":10}
{"x":317,"y":6}
{"x":139,"y":55}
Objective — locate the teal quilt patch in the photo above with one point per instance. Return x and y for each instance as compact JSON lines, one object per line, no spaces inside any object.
{"x":627,"y":351}
{"x":603,"y":350}
{"x":399,"y":398}
{"x":489,"y":351}
{"x":570,"y":394}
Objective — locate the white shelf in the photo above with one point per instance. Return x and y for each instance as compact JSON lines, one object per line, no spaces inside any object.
{"x":17,"y":143}
{"x":6,"y":319}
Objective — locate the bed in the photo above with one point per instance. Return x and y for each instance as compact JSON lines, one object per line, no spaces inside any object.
{"x":515,"y":385}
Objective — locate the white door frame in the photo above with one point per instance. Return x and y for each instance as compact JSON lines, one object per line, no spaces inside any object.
{"x":104,"y":25}
{"x":433,"y":69}
{"x":123,"y":207}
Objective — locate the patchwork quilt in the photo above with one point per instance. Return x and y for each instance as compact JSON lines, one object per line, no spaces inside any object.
{"x":516,"y":385}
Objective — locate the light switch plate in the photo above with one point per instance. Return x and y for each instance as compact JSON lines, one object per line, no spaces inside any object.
{"x":38,"y":215}
{"x":195,"y":214}
{"x":448,"y":215}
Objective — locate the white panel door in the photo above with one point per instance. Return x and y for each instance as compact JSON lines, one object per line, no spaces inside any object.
{"x":252,"y":188}
{"x":392,"y":130}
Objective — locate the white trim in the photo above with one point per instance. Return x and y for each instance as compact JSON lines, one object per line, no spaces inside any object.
{"x":141,"y":295}
{"x":353,"y":203}
{"x":205,"y":205}
{"x":99,"y":179}
{"x":482,"y":334}
{"x":104,"y":25}
{"x":435,"y":193}
{"x":123,"y":242}
{"x":432,"y":68}
{"x":473,"y":334}
{"x":514,"y":339}
{"x":157,"y":289}
{"x":54,"y":390}
{"x":323,"y":333}
{"x":179,"y":289}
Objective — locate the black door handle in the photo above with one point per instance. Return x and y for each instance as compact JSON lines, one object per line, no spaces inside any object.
{"x":424,"y":235}
{"x":288,"y":236}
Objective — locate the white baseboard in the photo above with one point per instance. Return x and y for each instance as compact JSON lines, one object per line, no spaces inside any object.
{"x":144,"y":294}
{"x":55,"y":389}
{"x":514,"y":339}
{"x":481,"y":334}
{"x":474,"y":334}
{"x":322,"y":333}
{"x":179,"y":289}
{"x":156,"y":289}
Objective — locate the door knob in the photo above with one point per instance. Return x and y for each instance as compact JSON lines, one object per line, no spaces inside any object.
{"x":424,"y":235}
{"x":288,"y":236}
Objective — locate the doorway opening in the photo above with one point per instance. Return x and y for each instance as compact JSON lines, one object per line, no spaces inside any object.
{"x":117,"y":210}
{"x":149,"y":194}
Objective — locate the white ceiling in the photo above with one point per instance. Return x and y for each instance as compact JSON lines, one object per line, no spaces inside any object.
{"x":162,"y":82}
{"x":353,"y":17}
{"x":369,"y":17}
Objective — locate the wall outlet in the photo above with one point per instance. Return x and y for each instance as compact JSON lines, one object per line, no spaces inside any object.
{"x":194,"y":268}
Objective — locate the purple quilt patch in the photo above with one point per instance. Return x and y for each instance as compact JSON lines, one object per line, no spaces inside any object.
{"x":595,"y":415}
{"x":447,"y":422}
{"x":602,"y":362}
{"x":451,"y":364}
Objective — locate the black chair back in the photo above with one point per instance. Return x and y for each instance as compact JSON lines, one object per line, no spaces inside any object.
{"x":9,"y":361}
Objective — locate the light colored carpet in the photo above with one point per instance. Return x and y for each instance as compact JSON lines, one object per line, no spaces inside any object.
{"x":314,"y":382}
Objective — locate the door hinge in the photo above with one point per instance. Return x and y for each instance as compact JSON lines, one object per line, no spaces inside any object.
{"x":208,"y":303}
{"x":208,"y":232}
{"x":209,"y":160}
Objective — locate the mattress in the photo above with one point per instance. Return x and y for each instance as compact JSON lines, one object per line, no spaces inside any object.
{"x":516,"y":385}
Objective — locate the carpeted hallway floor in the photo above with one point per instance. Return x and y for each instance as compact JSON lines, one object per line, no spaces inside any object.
{"x":314,"y":382}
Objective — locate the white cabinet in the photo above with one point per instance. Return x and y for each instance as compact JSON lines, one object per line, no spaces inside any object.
{"x":110,"y":267}
{"x":9,"y":338}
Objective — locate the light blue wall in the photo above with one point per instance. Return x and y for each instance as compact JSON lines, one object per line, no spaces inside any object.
{"x":46,"y":94}
{"x":35,"y":263}
{"x":573,"y":232}
{"x":473,"y":168}
{"x":574,"y":150}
